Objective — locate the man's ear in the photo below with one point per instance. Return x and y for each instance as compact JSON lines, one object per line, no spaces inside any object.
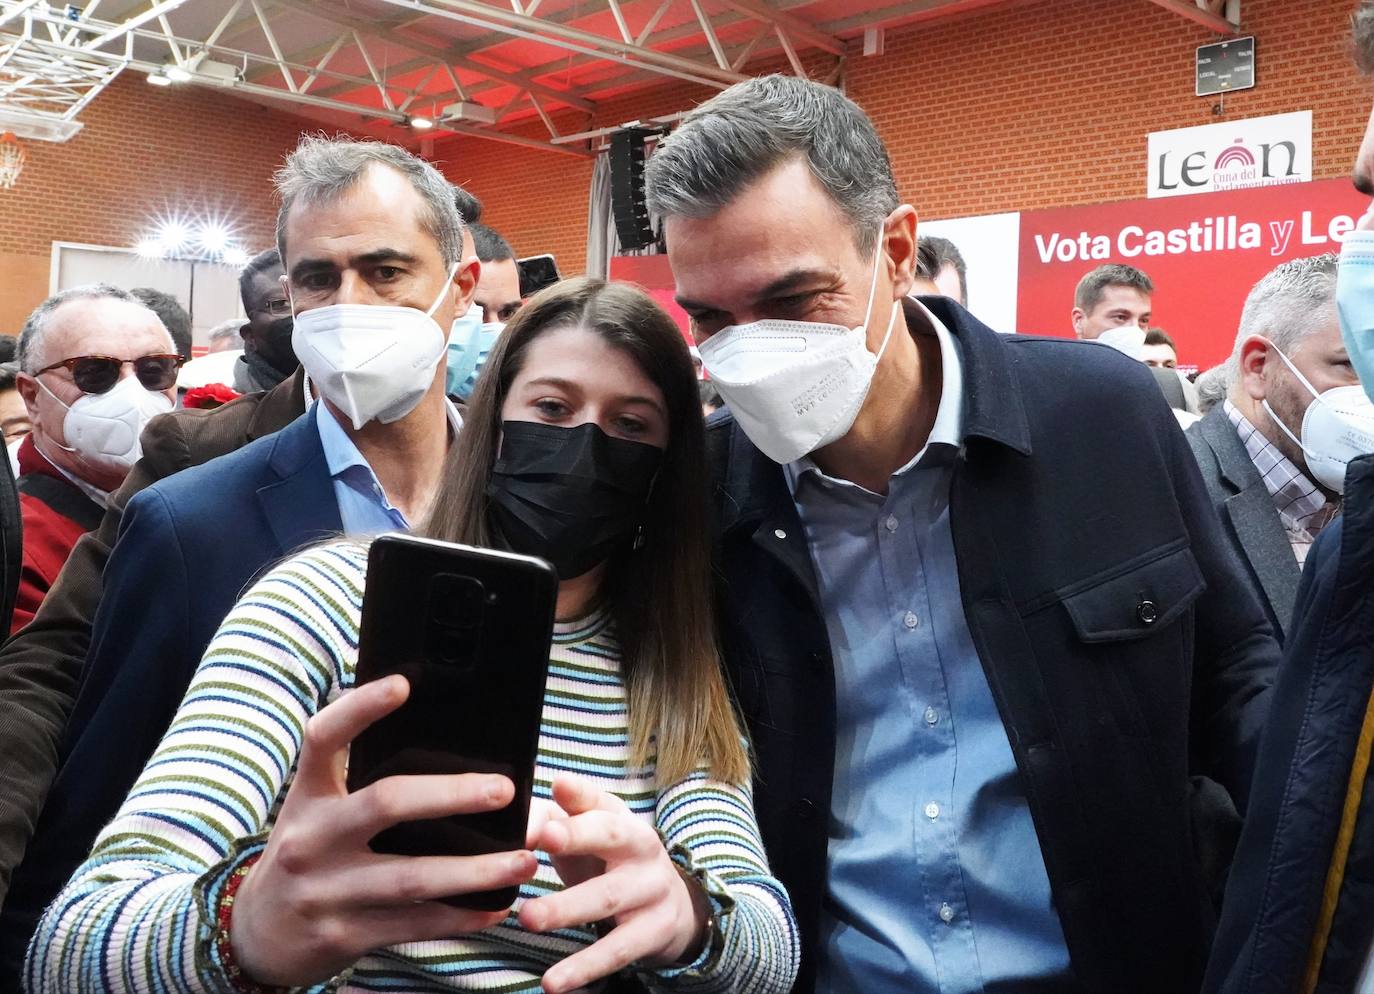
{"x":899,"y":236}
{"x":28,"y":393}
{"x":465,"y":279}
{"x":1076,"y":316}
{"x":1254,"y":356}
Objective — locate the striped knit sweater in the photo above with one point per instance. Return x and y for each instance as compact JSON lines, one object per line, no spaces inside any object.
{"x":137,"y":915}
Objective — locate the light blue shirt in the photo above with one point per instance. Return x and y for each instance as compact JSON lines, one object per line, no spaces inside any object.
{"x":363,"y":505}
{"x":936,"y":881}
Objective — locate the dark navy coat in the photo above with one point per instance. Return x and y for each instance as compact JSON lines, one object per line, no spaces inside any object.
{"x":1292,"y":858}
{"x":1124,"y":643}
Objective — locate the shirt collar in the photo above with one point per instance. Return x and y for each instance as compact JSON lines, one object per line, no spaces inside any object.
{"x":948,"y":428}
{"x":1301,"y":503}
{"x":455,"y":417}
{"x":340,"y":452}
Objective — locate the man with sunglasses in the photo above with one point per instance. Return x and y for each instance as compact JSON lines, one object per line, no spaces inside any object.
{"x":373,"y":248}
{"x":94,"y":366}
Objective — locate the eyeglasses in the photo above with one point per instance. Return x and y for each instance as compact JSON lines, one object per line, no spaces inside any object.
{"x":278,"y":306}
{"x":98,"y":373}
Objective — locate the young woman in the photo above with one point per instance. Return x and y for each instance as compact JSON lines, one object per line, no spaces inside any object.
{"x":239,"y":861}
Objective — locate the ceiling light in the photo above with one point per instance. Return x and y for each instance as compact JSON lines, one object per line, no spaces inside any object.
{"x":208,"y":70}
{"x":149,"y":248}
{"x":177,"y":74}
{"x":468,"y":110}
{"x":234,"y":256}
{"x":420,"y":123}
{"x":172,"y":235}
{"x":157,"y":79}
{"x":213,"y":238}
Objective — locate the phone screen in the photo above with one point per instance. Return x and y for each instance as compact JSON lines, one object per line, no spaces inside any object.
{"x":536,"y":273}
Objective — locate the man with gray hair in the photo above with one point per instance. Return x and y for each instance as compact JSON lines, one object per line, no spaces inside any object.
{"x":95,"y":365}
{"x":361,"y":224}
{"x":226,"y":336}
{"x":999,"y":670}
{"x":1268,"y":476}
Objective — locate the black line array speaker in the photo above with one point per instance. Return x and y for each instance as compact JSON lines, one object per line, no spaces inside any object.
{"x":627,"y":189}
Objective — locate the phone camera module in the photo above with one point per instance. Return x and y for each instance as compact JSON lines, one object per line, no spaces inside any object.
{"x":458,"y":601}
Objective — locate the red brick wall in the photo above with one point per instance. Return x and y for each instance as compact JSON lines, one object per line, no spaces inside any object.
{"x":1039,"y":105}
{"x":1045,"y":104}
{"x":144,"y":151}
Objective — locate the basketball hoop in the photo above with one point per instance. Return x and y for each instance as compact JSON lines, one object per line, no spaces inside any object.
{"x":12,"y":158}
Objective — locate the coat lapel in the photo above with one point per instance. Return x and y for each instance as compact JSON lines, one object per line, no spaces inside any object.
{"x":279,"y":406}
{"x":300,"y":506}
{"x":1254,"y":518}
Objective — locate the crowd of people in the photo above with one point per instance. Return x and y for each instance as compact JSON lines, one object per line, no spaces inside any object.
{"x":882,"y":661}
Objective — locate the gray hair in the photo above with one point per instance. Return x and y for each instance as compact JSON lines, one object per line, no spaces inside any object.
{"x":739,"y":135}
{"x":1212,"y":386}
{"x":1093,"y":286}
{"x":1295,"y":299}
{"x":1362,"y":36}
{"x":228,"y":329}
{"x":322,"y":169}
{"x":28,"y":353}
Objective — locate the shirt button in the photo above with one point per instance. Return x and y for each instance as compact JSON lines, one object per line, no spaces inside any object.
{"x":780,"y":533}
{"x":932,"y":811}
{"x":932,"y":716}
{"x":946,"y":914}
{"x":890,"y":523}
{"x":910,"y":620}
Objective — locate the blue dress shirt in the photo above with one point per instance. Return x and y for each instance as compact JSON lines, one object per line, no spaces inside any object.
{"x":935,"y":880}
{"x":363,"y":505}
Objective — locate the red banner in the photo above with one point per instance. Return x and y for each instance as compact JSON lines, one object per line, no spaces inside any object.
{"x":1203,"y":253}
{"x":653,"y":274}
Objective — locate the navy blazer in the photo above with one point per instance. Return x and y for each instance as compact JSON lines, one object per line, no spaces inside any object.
{"x":1124,"y":643}
{"x":1285,"y":867}
{"x":188,"y":548}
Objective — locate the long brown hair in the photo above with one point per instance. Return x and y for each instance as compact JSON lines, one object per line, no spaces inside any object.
{"x":659,"y":595}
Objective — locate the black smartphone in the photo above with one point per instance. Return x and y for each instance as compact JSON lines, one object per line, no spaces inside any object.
{"x":471,"y":630}
{"x":536,"y":273}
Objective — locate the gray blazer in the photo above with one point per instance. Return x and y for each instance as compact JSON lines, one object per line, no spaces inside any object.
{"x":1248,"y":513}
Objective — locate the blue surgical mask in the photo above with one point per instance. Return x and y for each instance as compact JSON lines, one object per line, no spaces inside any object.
{"x":1355,"y":304}
{"x":468,"y":346}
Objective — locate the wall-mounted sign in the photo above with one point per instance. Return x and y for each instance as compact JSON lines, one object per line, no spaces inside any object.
{"x":1232,"y":155}
{"x":1203,"y":255}
{"x":1226,"y":66}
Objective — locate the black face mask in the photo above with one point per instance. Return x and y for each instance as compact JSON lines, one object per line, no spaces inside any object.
{"x":274,"y":346}
{"x":573,"y":496}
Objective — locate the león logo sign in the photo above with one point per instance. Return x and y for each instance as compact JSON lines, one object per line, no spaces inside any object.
{"x":1240,"y":155}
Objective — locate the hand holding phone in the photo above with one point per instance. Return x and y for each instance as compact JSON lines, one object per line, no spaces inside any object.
{"x":319,"y":899}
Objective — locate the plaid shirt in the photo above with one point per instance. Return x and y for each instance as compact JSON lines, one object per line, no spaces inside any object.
{"x":1302,"y":506}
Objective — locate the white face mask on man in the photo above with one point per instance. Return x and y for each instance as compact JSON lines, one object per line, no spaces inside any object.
{"x":1338,"y":427}
{"x":796,"y":386}
{"x":1127,"y":338}
{"x":104,"y":428}
{"x":371,"y":361}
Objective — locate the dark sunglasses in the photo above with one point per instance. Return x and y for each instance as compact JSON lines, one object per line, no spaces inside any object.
{"x":98,"y":373}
